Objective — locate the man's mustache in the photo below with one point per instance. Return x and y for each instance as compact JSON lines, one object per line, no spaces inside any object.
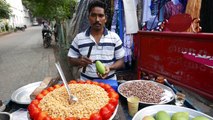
{"x":96,"y":23}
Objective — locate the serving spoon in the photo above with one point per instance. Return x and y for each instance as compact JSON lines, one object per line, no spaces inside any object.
{"x":71,"y":98}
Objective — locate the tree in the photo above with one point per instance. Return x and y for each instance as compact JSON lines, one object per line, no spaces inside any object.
{"x":49,"y":9}
{"x":4,"y":9}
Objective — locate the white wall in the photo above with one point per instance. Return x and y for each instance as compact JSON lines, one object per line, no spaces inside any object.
{"x":27,"y":19}
{"x":19,"y":16}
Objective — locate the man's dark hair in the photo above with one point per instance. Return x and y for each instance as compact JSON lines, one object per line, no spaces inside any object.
{"x":96,"y":3}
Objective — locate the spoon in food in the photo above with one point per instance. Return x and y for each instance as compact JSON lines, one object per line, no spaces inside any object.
{"x":71,"y":98}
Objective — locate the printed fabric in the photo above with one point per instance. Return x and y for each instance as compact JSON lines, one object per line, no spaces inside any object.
{"x":172,"y":9}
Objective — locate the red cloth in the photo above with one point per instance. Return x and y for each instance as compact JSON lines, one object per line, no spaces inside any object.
{"x":171,"y":9}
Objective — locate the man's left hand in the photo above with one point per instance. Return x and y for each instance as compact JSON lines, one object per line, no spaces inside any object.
{"x":103,"y":76}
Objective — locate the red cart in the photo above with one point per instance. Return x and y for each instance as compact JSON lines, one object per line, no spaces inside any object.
{"x":185,"y":59}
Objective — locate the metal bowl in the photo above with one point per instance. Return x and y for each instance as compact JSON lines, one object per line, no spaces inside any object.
{"x":5,"y":116}
{"x":167,"y":96}
{"x":22,"y":95}
{"x":170,"y":109}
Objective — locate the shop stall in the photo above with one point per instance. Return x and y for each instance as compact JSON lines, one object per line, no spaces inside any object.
{"x":185,"y":59}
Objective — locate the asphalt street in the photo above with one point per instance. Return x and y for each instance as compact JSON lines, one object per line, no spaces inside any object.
{"x":24,"y":60}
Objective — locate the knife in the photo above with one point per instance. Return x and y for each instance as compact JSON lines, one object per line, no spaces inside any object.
{"x":88,"y":55}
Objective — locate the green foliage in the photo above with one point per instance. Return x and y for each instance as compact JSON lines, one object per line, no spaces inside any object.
{"x":4,"y":9}
{"x":49,"y":9}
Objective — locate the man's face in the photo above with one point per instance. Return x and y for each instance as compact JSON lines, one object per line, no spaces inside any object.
{"x":97,"y":18}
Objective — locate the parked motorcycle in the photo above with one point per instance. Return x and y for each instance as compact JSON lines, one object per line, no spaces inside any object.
{"x":20,"y":28}
{"x":47,"y":39}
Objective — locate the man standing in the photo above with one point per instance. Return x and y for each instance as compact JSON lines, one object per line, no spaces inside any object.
{"x":97,"y":43}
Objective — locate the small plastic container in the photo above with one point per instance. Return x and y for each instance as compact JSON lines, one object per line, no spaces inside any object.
{"x":133,"y":104}
{"x":160,"y":79}
{"x":179,"y":99}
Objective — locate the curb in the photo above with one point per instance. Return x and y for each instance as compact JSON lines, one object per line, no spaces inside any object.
{"x":5,"y":33}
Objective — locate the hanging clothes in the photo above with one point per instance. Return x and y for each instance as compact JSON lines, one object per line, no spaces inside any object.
{"x":115,"y":17}
{"x":175,"y":2}
{"x":131,"y":20}
{"x":158,"y":8}
{"x":161,"y":7}
{"x":120,"y":19}
{"x":172,"y":9}
{"x":193,"y":8}
{"x":206,"y":16}
{"x":146,"y":10}
{"x":127,"y":44}
{"x":140,"y":13}
{"x":152,"y":23}
{"x":184,"y":3}
{"x":154,"y":7}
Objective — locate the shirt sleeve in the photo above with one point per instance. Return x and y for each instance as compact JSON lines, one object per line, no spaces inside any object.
{"x":74,"y":50}
{"x":119,"y":50}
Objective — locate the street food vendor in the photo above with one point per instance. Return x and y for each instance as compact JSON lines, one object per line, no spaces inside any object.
{"x":97,"y":43}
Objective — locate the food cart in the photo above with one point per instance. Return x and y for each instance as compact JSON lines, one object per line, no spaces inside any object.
{"x":185,"y":59}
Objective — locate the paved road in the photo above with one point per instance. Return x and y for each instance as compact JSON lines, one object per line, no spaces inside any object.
{"x":23,"y":60}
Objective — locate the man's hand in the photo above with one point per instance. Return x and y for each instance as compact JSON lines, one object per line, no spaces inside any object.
{"x":107,"y":70}
{"x":84,"y":61}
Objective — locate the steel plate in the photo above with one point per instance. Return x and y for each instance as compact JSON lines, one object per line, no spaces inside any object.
{"x":167,"y":97}
{"x":22,"y":95}
{"x":5,"y":116}
{"x":113,"y":115}
{"x":171,"y":109}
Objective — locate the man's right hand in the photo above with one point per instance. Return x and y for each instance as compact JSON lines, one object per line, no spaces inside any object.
{"x":84,"y":61}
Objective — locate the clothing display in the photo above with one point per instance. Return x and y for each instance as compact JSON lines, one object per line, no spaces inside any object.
{"x":146,"y":10}
{"x":140,"y":13}
{"x":193,"y":8}
{"x":131,"y":20}
{"x":115,"y":16}
{"x":154,"y":12}
{"x":172,"y":8}
{"x":184,"y":3}
{"x":127,"y":44}
{"x":175,"y":2}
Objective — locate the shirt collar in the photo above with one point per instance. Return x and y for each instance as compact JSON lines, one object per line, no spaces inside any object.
{"x":88,"y":31}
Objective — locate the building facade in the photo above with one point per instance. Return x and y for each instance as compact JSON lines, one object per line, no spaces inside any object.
{"x":20,"y":15}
